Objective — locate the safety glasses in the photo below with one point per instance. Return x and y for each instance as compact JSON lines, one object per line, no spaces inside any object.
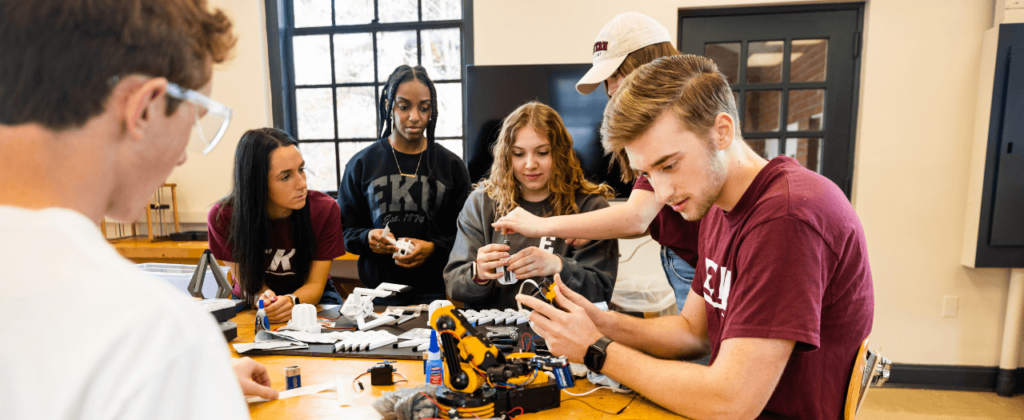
{"x":211,"y":117}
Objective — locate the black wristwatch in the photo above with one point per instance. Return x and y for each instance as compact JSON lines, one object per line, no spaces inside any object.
{"x":596,"y":353}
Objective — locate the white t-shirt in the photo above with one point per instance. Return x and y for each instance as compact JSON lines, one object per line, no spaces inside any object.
{"x":85,"y":335}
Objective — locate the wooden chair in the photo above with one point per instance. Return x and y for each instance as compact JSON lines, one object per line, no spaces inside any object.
{"x":869,"y":369}
{"x":161,"y":206}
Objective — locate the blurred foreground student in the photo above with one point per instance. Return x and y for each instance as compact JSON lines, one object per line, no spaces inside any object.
{"x":97,"y":101}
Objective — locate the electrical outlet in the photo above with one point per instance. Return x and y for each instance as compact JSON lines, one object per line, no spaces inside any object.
{"x":949,"y":306}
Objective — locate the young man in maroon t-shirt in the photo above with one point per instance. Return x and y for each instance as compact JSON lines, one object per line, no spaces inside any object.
{"x":782,"y":298}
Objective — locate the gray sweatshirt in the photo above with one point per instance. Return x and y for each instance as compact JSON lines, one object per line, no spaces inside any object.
{"x":589,"y":270}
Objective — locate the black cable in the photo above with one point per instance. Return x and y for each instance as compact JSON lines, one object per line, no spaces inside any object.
{"x":606,"y":412}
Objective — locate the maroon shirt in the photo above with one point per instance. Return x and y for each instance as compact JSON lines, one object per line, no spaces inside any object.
{"x":670,"y":229}
{"x":790,"y":262}
{"x":330,"y":243}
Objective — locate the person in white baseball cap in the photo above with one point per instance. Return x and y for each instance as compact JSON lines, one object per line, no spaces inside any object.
{"x":623,"y":36}
{"x":626,"y":43}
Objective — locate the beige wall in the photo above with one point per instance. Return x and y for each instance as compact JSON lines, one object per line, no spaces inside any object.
{"x":918,"y":89}
{"x":241,"y":83}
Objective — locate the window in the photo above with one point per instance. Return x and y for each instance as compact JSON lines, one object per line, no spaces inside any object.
{"x":333,"y":58}
{"x":793,"y":73}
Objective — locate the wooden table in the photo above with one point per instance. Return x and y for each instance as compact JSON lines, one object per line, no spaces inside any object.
{"x":318,"y":370}
{"x":142,"y":250}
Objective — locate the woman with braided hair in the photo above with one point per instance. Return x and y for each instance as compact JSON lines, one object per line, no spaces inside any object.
{"x":409,"y":184}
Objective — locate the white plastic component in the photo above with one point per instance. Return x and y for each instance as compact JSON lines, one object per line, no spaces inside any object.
{"x":435,"y":305}
{"x":404,"y":248}
{"x":304,"y":319}
{"x":359,"y":305}
{"x":413,"y":343}
{"x":423,"y":347}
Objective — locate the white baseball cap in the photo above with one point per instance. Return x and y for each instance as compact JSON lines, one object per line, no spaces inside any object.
{"x":625,"y":33}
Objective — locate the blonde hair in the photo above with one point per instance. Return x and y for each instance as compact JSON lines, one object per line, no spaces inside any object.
{"x":633,"y":61}
{"x":566,"y":178}
{"x":689,"y":85}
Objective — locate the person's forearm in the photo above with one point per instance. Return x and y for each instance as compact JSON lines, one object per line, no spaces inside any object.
{"x":684,"y":388}
{"x":667,"y":337}
{"x":613,"y":222}
{"x":313,"y":289}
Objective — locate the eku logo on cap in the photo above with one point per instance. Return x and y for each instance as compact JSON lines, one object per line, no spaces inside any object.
{"x":600,"y":46}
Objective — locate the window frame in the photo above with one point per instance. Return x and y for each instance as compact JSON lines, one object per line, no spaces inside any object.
{"x":281,"y":29}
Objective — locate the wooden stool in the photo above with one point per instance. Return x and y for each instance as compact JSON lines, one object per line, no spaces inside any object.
{"x":869,"y":369}
{"x":160,"y":206}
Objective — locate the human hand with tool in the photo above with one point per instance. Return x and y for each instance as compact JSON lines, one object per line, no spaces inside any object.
{"x":379,"y":244}
{"x":253,"y":378}
{"x":488,"y":259}
{"x":530,"y":225}
{"x":278,"y":309}
{"x":534,"y":262}
{"x":570,"y":332}
{"x":420,"y":252}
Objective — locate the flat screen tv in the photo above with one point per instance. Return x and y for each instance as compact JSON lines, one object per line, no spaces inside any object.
{"x":493,"y":92}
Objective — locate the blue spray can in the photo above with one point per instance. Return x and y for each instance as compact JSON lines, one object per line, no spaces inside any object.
{"x":433,"y":367}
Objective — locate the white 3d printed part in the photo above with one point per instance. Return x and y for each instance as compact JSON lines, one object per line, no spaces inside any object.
{"x":304,"y":319}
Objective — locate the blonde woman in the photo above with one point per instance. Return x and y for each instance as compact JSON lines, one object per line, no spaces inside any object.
{"x":534,"y":169}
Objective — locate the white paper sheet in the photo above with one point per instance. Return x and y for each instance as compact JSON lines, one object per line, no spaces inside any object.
{"x":305,"y":390}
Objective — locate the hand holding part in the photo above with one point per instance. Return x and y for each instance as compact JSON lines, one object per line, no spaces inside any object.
{"x":488,"y":259}
{"x":253,"y":378}
{"x":567,"y":332}
{"x":522,"y":222}
{"x":421,"y":251}
{"x":534,"y":262}
{"x":380,"y":242}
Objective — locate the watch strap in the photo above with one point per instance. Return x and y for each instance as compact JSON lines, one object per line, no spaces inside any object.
{"x":295,"y":299}
{"x":596,"y":354}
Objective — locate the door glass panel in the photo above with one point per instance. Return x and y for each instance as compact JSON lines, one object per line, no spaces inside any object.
{"x":726,"y":56}
{"x":321,"y":166}
{"x":356,"y":113}
{"x":807,"y":151}
{"x":764,"y":61}
{"x":806,"y":110}
{"x":808,"y":60}
{"x":762,"y":111}
{"x":449,"y":112}
{"x":767,"y":148}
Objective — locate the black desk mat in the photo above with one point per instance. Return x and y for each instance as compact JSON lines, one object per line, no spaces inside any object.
{"x":390,"y":352}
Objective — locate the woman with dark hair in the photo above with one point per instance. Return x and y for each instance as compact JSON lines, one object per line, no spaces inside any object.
{"x":534,"y":169}
{"x":409,"y":184}
{"x":277,"y":237}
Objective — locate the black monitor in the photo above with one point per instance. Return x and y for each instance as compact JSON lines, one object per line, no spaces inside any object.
{"x":493,"y":92}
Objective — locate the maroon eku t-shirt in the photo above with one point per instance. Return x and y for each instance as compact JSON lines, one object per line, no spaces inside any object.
{"x":330,"y":243}
{"x":790,"y":262}
{"x":670,"y":229}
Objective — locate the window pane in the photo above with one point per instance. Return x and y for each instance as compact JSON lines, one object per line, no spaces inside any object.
{"x":449,"y":104}
{"x":312,"y":64}
{"x":806,"y":110}
{"x":393,"y":50}
{"x":762,"y":110}
{"x":727,"y":57}
{"x":454,"y":145}
{"x":321,"y":166}
{"x":353,"y":12}
{"x":312,"y":13}
{"x":356,"y":113}
{"x":767,"y":148}
{"x":764,"y":62}
{"x":313,"y":110}
{"x":806,"y":151}
{"x":442,"y":56}
{"x":397,"y":11}
{"x":353,"y":58}
{"x":808,"y":60}
{"x":442,"y":9}
{"x":348,"y":149}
